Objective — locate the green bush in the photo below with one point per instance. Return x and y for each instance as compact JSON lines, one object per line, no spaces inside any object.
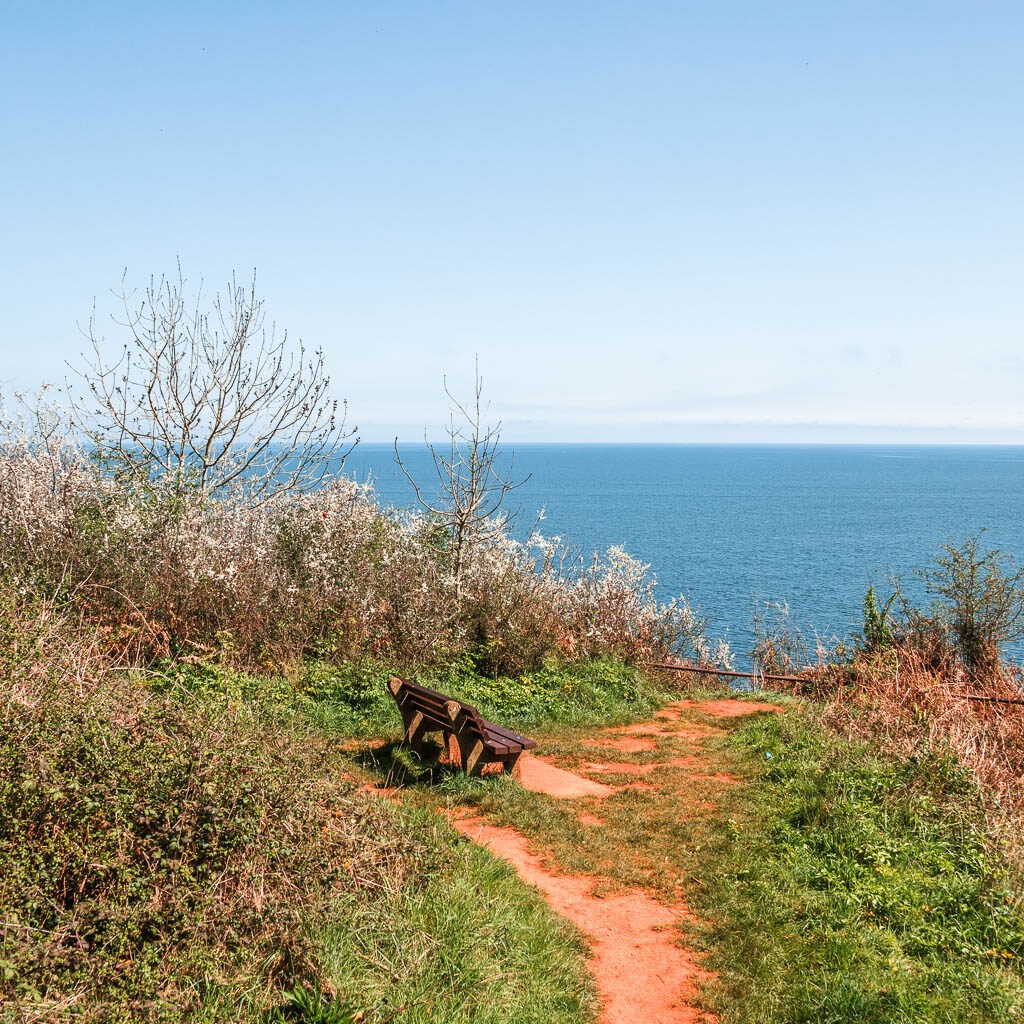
{"x":152,"y":848}
{"x":980,"y":597}
{"x":877,"y":633}
{"x":353,"y":698}
{"x":597,"y":690}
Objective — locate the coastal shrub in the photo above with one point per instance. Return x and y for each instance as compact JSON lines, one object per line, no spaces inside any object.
{"x":923,"y":679}
{"x":154,"y":851}
{"x":979,"y":598}
{"x":878,"y":627}
{"x":327,"y":575}
{"x":977,"y":608}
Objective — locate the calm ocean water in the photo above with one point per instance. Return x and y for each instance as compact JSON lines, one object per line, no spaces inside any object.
{"x":728,"y":524}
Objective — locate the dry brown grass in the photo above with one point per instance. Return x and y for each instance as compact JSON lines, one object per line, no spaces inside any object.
{"x":906,"y":699}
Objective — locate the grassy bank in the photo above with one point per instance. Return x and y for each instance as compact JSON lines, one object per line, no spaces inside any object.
{"x":859,"y":886}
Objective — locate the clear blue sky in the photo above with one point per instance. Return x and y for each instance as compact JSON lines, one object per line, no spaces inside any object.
{"x":656,"y":221}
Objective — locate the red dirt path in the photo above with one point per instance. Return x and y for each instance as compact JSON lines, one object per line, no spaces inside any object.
{"x":541,"y":777}
{"x":642,"y":976}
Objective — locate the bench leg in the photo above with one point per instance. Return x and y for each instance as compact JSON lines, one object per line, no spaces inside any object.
{"x":501,"y":764}
{"x":412,"y":722}
{"x":452,"y":750}
{"x":471,"y":753}
{"x":470,"y":748}
{"x":468,"y":751}
{"x":512,"y":763}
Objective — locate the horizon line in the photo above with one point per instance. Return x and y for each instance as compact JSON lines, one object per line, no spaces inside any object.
{"x":732,"y":444}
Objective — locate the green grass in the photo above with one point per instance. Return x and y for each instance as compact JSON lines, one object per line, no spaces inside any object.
{"x":472,"y":945}
{"x":469,"y":944}
{"x":859,"y":886}
{"x":352,"y":699}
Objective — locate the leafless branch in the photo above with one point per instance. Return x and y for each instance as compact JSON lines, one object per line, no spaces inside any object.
{"x":472,"y":482}
{"x":209,"y":398}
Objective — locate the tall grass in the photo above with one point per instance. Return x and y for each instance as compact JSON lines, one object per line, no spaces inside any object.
{"x":905,"y":685}
{"x":908,"y":701}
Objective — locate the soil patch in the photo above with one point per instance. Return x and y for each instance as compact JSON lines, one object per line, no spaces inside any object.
{"x":721,"y":708}
{"x":644,"y":729}
{"x":669,"y":714}
{"x":641,"y":973}
{"x":385,"y":792}
{"x":628,"y":768}
{"x":540,"y":777}
{"x":589,"y":819}
{"x":627,"y":744}
{"x":688,"y":732}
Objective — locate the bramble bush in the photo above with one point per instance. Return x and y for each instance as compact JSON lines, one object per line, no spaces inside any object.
{"x":155,"y":849}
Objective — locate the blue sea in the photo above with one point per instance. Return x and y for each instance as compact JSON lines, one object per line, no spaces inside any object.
{"x":729,"y":525}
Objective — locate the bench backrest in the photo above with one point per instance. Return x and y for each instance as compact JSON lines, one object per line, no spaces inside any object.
{"x":433,"y":706}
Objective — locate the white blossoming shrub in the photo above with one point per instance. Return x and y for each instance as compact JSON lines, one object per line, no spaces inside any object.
{"x":329,"y":574}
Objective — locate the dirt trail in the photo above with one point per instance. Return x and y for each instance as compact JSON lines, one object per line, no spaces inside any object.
{"x":541,"y":777}
{"x":642,"y":973}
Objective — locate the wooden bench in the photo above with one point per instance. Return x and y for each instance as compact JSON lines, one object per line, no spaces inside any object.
{"x":478,"y":746}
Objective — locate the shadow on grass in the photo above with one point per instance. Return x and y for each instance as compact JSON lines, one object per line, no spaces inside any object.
{"x":397,"y":767}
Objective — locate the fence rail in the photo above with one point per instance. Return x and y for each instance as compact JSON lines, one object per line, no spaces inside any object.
{"x":699,"y":670}
{"x":993,"y":700}
{"x":724,"y":672}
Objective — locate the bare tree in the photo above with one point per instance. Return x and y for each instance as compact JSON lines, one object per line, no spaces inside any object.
{"x":210,"y":399}
{"x":472,"y":482}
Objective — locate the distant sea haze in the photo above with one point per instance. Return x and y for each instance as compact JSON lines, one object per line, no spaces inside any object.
{"x":726,"y":525}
